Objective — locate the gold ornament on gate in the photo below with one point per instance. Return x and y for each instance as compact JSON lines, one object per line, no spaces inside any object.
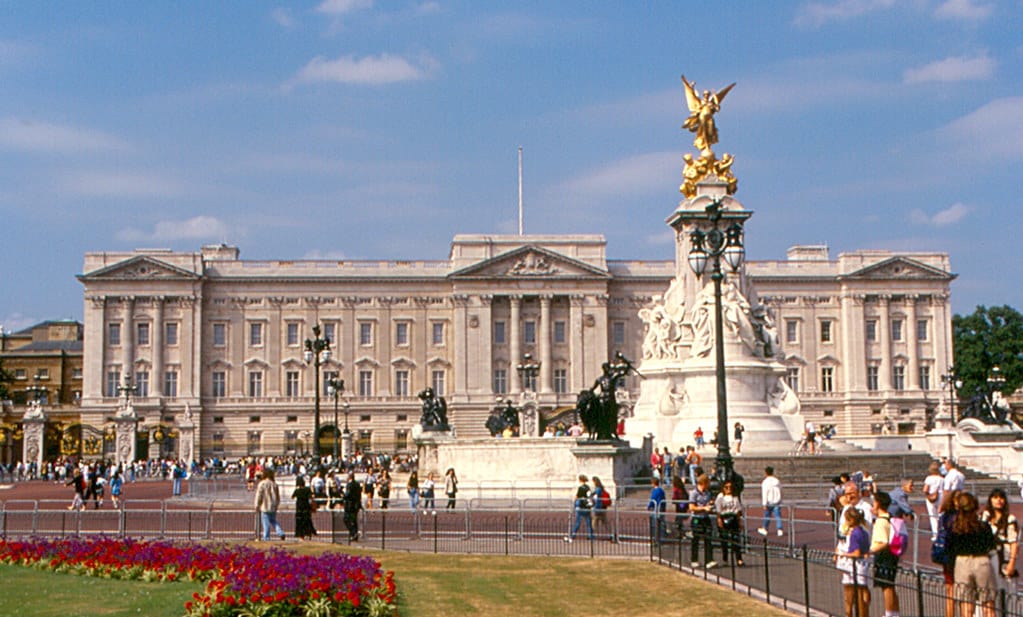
{"x":701,"y":123}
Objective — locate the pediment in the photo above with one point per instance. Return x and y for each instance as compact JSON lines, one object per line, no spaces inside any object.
{"x":900,"y":268}
{"x":142,"y":267}
{"x":530,"y":261}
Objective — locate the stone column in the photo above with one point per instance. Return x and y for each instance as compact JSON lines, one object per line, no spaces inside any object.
{"x":128,"y":338}
{"x":515,"y":343}
{"x":577,"y":380}
{"x":913,"y":368}
{"x":546,"y":368}
{"x":156,"y":344}
{"x":34,"y":427}
{"x":95,"y":360}
{"x":186,"y":438}
{"x":884,"y":335}
{"x":126,"y":423}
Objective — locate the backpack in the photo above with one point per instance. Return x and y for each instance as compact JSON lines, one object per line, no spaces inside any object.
{"x":900,"y":537}
{"x":939,"y":548}
{"x":605,"y":499}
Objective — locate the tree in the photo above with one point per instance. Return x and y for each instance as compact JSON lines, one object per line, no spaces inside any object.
{"x":989,"y":337}
{"x":5,"y":379}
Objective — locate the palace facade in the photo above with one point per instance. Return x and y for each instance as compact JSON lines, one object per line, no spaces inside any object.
{"x":220,"y":340}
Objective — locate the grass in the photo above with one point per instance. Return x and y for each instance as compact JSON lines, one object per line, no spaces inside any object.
{"x":28,"y":592}
{"x":429,"y":586}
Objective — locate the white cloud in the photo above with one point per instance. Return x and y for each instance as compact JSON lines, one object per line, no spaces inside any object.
{"x":641,"y":174}
{"x":342,"y":7}
{"x":816,"y":14}
{"x":14,"y":322}
{"x":966,"y":10}
{"x":949,"y":216}
{"x":953,"y":69}
{"x":34,"y":136}
{"x":382,"y":69}
{"x":120,"y":184}
{"x":331,"y":255}
{"x":283,"y":17}
{"x":196,"y":228}
{"x":995,"y":130}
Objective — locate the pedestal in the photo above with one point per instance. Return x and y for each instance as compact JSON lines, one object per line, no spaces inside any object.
{"x":346,"y":444}
{"x":34,"y":426}
{"x":126,"y":423}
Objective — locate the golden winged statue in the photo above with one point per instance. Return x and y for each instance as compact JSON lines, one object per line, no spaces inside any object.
{"x":701,"y":115}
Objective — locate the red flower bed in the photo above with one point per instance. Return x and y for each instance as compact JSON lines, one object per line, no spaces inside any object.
{"x":240,"y":580}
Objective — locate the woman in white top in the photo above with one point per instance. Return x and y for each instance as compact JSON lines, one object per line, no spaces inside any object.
{"x":933,"y":495}
{"x":729,"y":510}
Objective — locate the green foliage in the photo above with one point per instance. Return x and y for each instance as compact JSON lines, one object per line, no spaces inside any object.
{"x":986,"y":338}
{"x":6,"y":378}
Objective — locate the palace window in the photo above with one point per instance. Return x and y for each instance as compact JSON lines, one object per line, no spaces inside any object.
{"x":437,"y":382}
{"x":825,"y":331}
{"x":329,"y":332}
{"x":529,"y":332}
{"x":872,"y":378}
{"x":142,"y":334}
{"x":170,"y":333}
{"x":870,"y":330}
{"x":896,"y":329}
{"x":401,"y":333}
{"x":365,"y":383}
{"x":921,"y":329}
{"x":365,"y":333}
{"x":291,"y":384}
{"x":142,"y":384}
{"x":292,"y":336}
{"x":559,"y":332}
{"x":114,"y":333}
{"x":437,"y":333}
{"x":401,"y":383}
{"x":219,"y":384}
{"x":500,"y":381}
{"x":899,"y":377}
{"x":499,"y":334}
{"x":255,"y":334}
{"x":827,"y":379}
{"x":255,"y":384}
{"x":170,"y":384}
{"x":791,"y":330}
{"x":618,"y":333}
{"x":792,"y":377}
{"x":219,"y":335}
{"x":113,"y":381}
{"x":561,"y":380}
{"x":925,"y":377}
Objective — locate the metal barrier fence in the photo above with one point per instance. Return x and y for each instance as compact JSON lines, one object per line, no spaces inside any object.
{"x":796,"y":570}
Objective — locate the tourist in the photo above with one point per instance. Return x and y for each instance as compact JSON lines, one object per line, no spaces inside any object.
{"x":450,"y":487}
{"x":666,"y":465}
{"x":369,"y":487}
{"x":305,"y":505}
{"x":600,"y":508}
{"x":867,"y":485}
{"x":412,"y":488}
{"x":77,"y":481}
{"x":729,"y":510}
{"x":680,"y":499}
{"x":900,"y":507}
{"x":656,"y":505}
{"x":698,"y":437}
{"x":970,"y":541}
{"x":954,"y":479}
{"x":353,"y":503}
{"x":548,"y":432}
{"x":737,"y":433}
{"x":1006,"y":531}
{"x":318,"y":485}
{"x":932,"y":496}
{"x":886,"y":562}
{"x":334,"y":491}
{"x":852,"y":560}
{"x":428,"y":493}
{"x":384,"y":488}
{"x":694,"y":460}
{"x":581,"y":507}
{"x":116,"y":486}
{"x":946,"y":517}
{"x":701,"y":507}
{"x":810,"y":433}
{"x":770,"y":498}
{"x":268,"y":499}
{"x":656,"y":462}
{"x":681,"y":465}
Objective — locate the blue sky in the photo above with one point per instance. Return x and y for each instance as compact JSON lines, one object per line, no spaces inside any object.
{"x":373,"y":129}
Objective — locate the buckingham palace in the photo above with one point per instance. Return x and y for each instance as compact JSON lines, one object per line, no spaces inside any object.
{"x":218,"y":342}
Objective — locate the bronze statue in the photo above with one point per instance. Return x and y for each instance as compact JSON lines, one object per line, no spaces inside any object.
{"x":598,"y":406}
{"x":435,"y":411}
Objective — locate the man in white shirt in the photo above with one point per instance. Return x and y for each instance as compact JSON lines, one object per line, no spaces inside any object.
{"x":954,"y":479}
{"x":811,"y":436}
{"x":770,"y":497}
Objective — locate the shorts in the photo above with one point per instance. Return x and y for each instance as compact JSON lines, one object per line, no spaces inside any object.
{"x":886,"y":567}
{"x":974,"y":578}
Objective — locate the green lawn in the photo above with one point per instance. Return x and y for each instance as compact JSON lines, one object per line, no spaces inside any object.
{"x":430,"y":585}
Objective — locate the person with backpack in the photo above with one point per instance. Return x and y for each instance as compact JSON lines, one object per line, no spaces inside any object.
{"x":582,"y":506}
{"x":886,"y":544}
{"x":601,"y":503}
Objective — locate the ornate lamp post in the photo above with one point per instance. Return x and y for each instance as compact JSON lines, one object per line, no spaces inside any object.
{"x":335,"y":388}
{"x":37,"y":390}
{"x":707,"y":248}
{"x":951,"y":381}
{"x":528,"y":370}
{"x":317,"y":351}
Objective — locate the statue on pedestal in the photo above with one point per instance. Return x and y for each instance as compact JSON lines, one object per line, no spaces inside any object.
{"x":598,"y":406}
{"x":435,"y":411}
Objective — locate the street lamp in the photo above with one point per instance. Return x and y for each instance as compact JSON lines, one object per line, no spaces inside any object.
{"x":37,"y":390}
{"x":528,"y":370}
{"x":707,"y":248}
{"x":335,"y":388}
{"x":951,"y":381}
{"x":317,"y":351}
